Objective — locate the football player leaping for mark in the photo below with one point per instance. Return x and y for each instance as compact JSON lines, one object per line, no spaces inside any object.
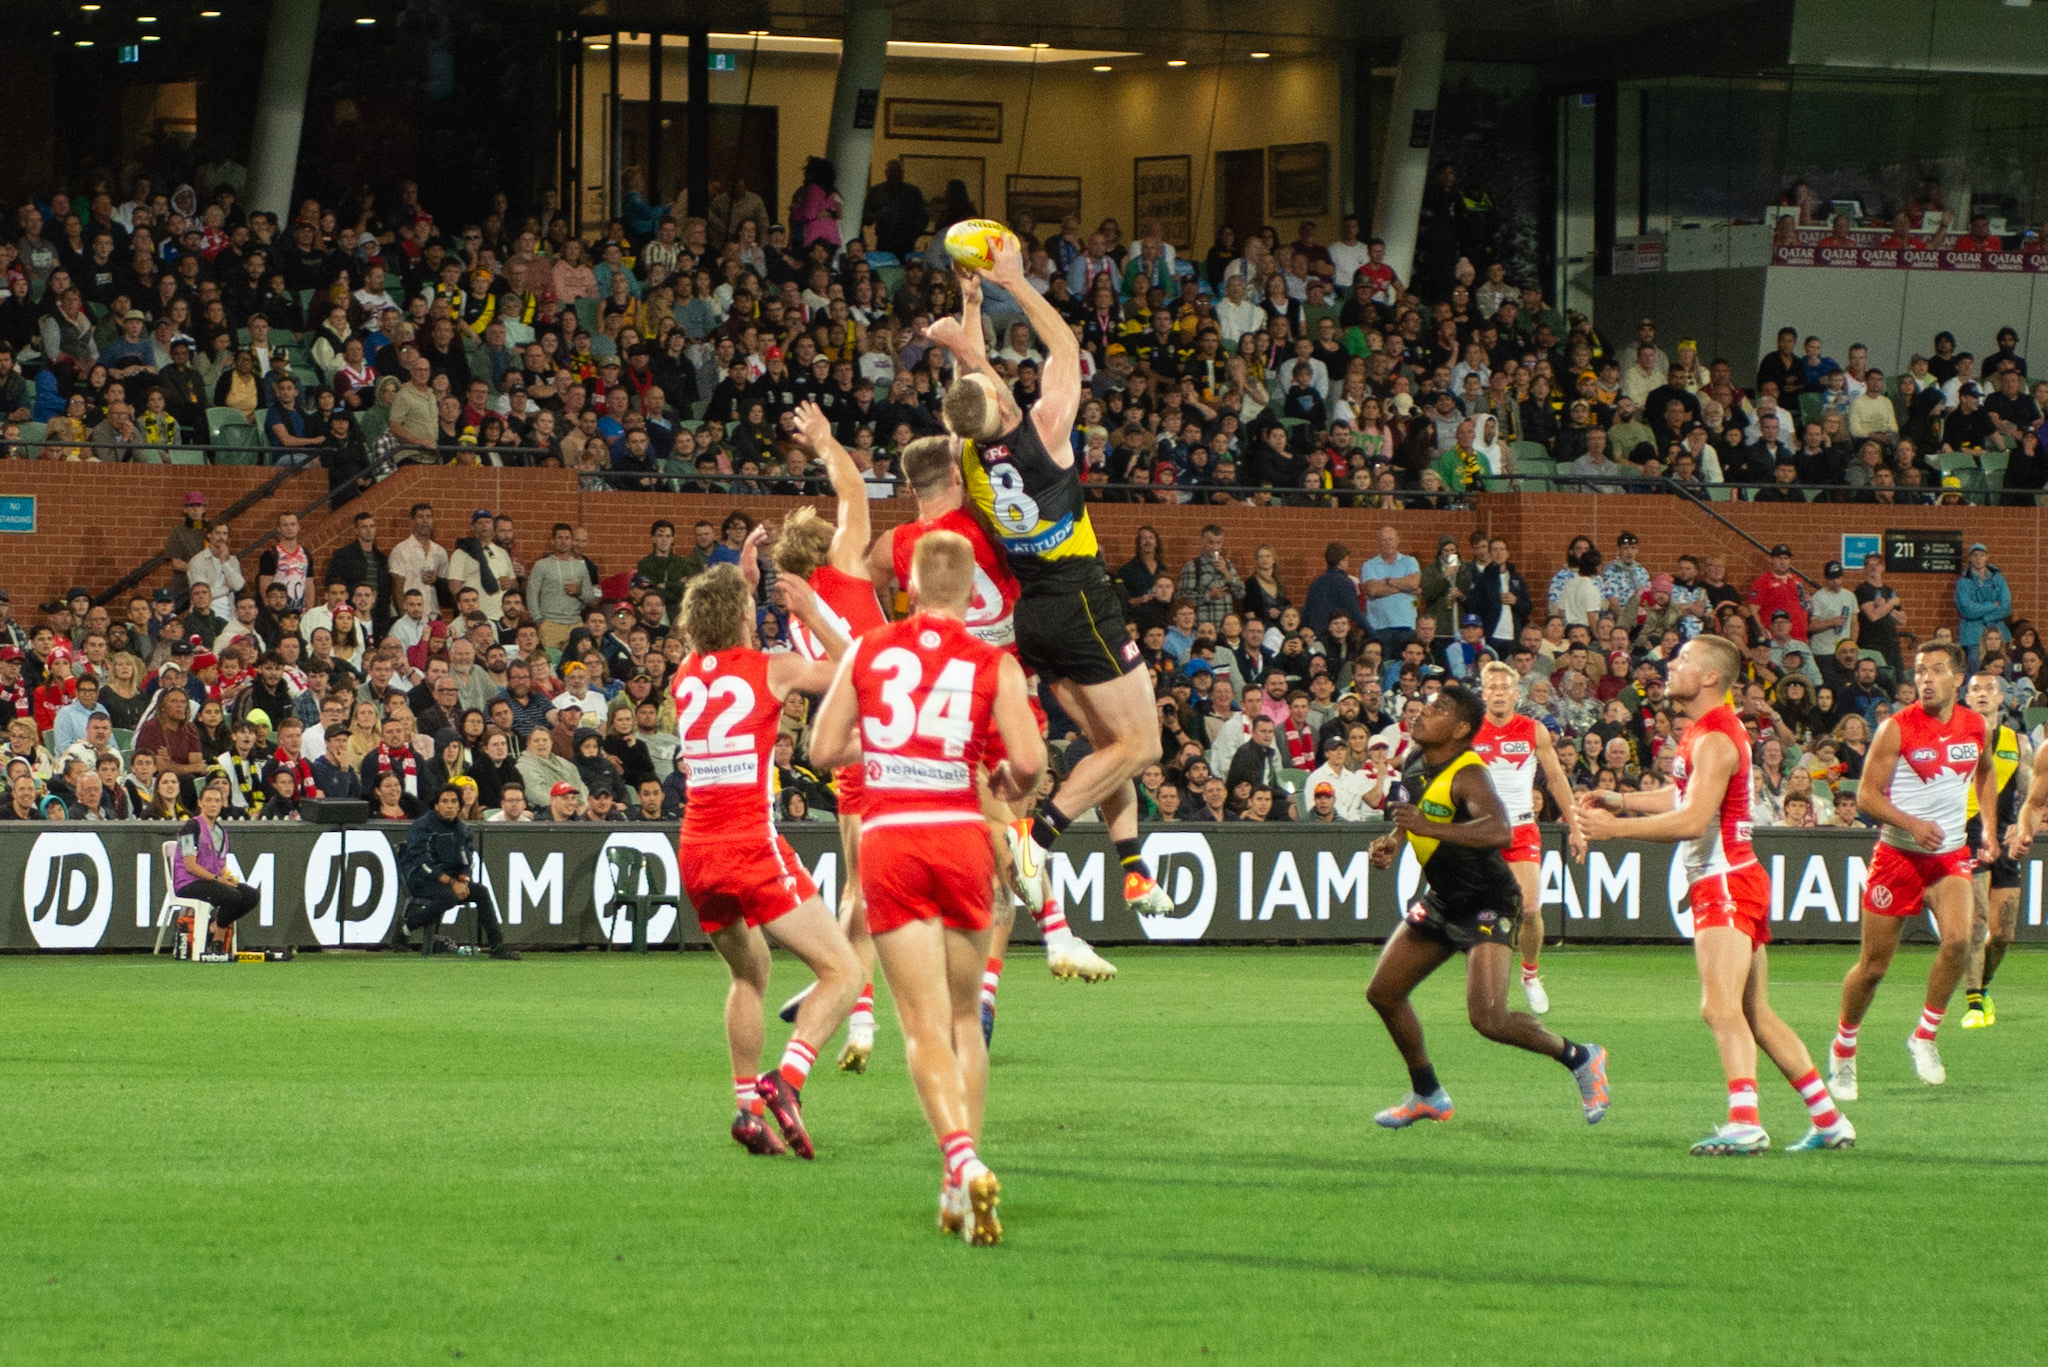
{"x":931,"y":466}
{"x":918,"y":700}
{"x":1021,"y":474}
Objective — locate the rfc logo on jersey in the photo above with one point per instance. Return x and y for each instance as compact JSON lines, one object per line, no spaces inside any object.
{"x":1925,"y":755}
{"x":1964,"y":753}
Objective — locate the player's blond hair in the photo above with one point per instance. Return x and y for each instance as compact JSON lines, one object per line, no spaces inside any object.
{"x":942,"y":572}
{"x":1725,"y":660}
{"x":971,"y":412}
{"x":716,"y":607}
{"x":1494,"y":668}
{"x":928,"y":464}
{"x":805,"y":541}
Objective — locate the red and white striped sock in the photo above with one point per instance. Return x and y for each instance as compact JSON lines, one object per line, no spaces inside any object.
{"x":1742,"y":1102}
{"x":1845,"y":1039}
{"x":797,"y":1059}
{"x":1819,"y":1104}
{"x":863,"y":1008}
{"x":961,"y":1163}
{"x":1930,"y":1021}
{"x":991,"y":979}
{"x":1529,"y":972}
{"x":1052,"y":919}
{"x":744,"y":1094}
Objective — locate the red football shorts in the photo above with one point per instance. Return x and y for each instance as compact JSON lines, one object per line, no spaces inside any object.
{"x":742,"y":880}
{"x":1899,"y":879}
{"x":924,"y":872}
{"x":1741,"y":899}
{"x":1527,"y":847}
{"x":849,"y":785}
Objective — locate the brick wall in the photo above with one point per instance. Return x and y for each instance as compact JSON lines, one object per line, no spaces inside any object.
{"x":97,"y":522}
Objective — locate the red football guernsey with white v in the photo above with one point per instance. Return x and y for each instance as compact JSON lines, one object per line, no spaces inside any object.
{"x":849,"y":604}
{"x":991,"y":612}
{"x":1931,"y":781}
{"x":926,"y":691}
{"x":1509,"y":750}
{"x":1725,"y":847}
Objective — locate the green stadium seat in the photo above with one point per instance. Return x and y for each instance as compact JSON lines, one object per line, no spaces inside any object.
{"x":217,"y":418}
{"x":1809,"y":407}
{"x":1951,"y":462}
{"x":2035,"y":716}
{"x":587,"y":314}
{"x":186,"y":455}
{"x":239,"y":444}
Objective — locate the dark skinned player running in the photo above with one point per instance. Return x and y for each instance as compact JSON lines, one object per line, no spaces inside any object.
{"x":1459,"y":830}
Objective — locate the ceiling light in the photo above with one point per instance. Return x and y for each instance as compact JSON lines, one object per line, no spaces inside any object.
{"x":1260,"y":56}
{"x":1177,"y":61}
{"x":1041,"y":45}
{"x":151,"y":38}
{"x":1102,"y":68}
{"x":83,"y":42}
{"x":209,"y":14}
{"x":145,"y":18}
{"x":365,"y":22}
{"x":90,"y":9}
{"x":757,"y":33}
{"x":600,"y":47}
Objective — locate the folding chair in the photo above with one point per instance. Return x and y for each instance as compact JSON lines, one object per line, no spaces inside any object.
{"x":629,"y":868}
{"x":187,"y":911}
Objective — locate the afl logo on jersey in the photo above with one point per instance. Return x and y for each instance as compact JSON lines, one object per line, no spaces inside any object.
{"x":1966,"y":753}
{"x":1517,"y":749}
{"x":1922,"y":756}
{"x":928,"y":639}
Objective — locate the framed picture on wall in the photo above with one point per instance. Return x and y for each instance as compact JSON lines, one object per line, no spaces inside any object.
{"x":1162,"y":189}
{"x":932,"y":174}
{"x":1048,"y":199}
{"x":1299,"y":179}
{"x":943,"y":120}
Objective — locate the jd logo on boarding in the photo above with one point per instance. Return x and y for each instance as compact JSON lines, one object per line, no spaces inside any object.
{"x":1183,"y":865}
{"x":67,"y":888}
{"x":352,"y":901}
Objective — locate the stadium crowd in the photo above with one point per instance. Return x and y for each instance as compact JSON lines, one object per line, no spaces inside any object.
{"x":671,"y":352}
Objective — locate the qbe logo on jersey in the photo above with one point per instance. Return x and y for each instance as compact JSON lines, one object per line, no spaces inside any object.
{"x":351,"y":888}
{"x":67,"y":888}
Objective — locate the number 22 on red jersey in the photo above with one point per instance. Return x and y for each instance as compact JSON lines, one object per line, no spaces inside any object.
{"x":726,"y":719}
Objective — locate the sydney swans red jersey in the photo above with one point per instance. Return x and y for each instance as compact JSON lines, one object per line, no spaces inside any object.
{"x":1510,"y":754}
{"x":849,"y":604}
{"x":990,"y":611}
{"x":1724,"y":848}
{"x":1932,"y":778}
{"x":927,"y":692}
{"x":727,"y":716}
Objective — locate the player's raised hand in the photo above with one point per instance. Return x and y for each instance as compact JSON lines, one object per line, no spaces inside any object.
{"x":792,"y":594}
{"x":750,"y":557}
{"x":970,"y":285}
{"x":1007,"y":266}
{"x":813,"y":428}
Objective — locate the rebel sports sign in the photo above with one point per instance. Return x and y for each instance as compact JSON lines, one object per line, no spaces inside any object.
{"x":87,"y":887}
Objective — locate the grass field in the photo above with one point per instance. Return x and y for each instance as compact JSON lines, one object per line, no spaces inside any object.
{"x":352,"y":1159}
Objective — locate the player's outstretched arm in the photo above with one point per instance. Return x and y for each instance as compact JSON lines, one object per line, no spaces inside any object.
{"x":850,"y":532}
{"x":794,"y":595}
{"x":1874,"y":794}
{"x":1059,"y":382}
{"x":881,"y":565}
{"x":1714,"y":766}
{"x":835,"y":735}
{"x":2032,"y":810}
{"x":1560,"y":788}
{"x":1017,"y":775}
{"x":1985,"y":781}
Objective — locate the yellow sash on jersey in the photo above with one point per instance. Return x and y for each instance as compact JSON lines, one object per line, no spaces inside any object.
{"x":1016,"y":518}
{"x":2005,"y":762}
{"x":1437,"y":804}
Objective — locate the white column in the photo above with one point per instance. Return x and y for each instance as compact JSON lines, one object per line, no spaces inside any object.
{"x":281,"y":105}
{"x":1406,"y":172}
{"x":863,"y":53}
